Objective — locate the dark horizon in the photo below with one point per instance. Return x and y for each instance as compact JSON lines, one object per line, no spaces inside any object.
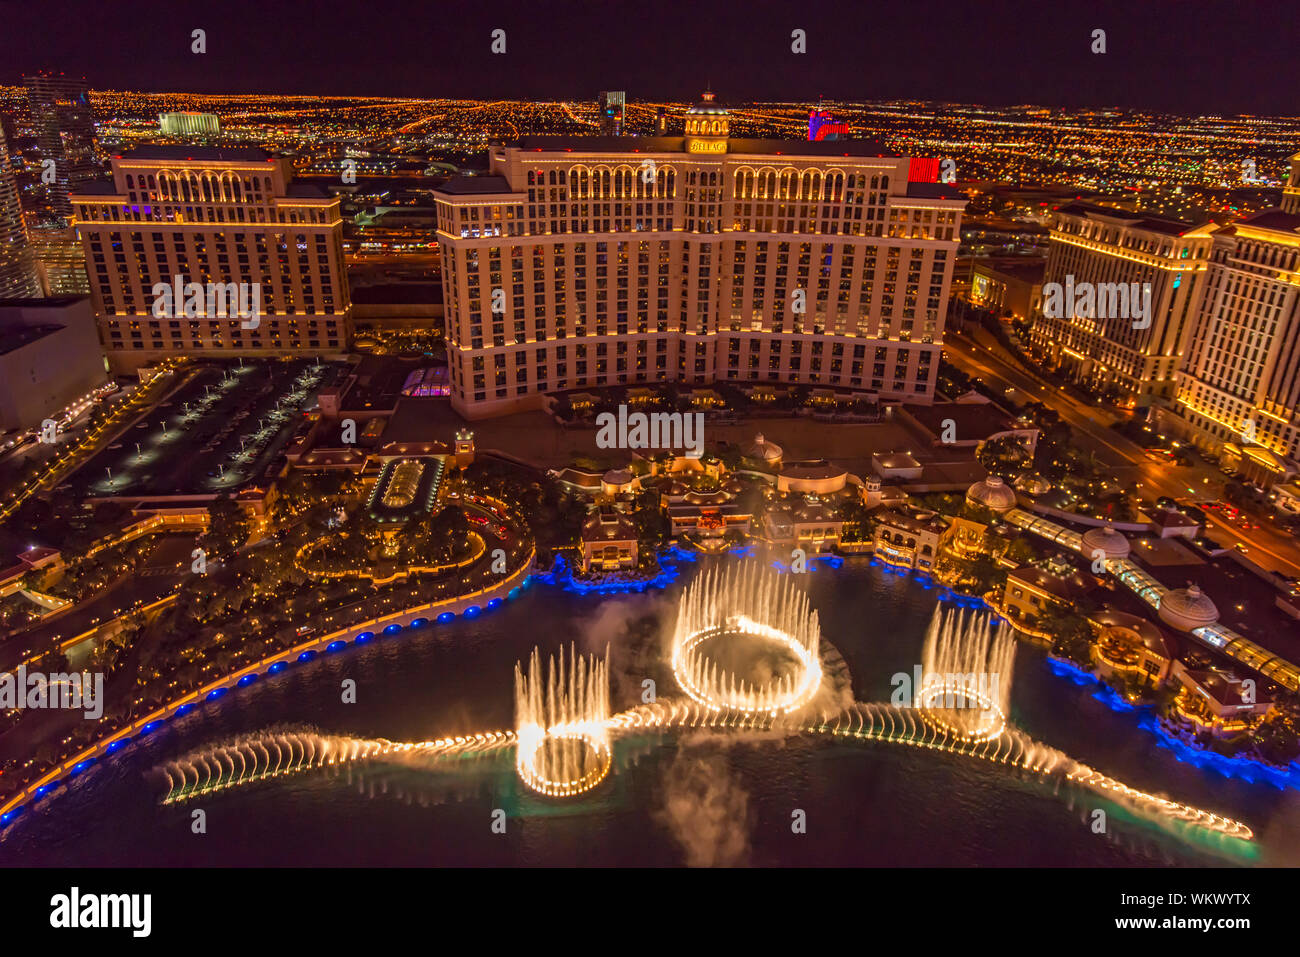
{"x":1194,"y":58}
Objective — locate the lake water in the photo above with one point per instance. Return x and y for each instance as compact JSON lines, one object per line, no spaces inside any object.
{"x":698,"y":798}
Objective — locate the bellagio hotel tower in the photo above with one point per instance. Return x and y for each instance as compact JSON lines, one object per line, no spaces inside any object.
{"x":584,"y":262}
{"x":217,"y":215}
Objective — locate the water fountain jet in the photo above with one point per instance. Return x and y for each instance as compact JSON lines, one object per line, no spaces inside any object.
{"x":723,"y":610}
{"x":562,"y":724}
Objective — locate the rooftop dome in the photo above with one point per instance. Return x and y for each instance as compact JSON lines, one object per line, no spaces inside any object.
{"x":763,"y":450}
{"x":1106,"y":540}
{"x":618,"y":477}
{"x":1187,"y":608}
{"x":707,"y":107}
{"x":992,"y":493}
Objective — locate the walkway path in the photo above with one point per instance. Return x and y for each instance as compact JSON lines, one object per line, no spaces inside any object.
{"x":1217,"y":636}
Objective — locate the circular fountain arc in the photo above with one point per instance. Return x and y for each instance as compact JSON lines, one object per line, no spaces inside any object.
{"x":746,"y":602}
{"x":564,"y":728}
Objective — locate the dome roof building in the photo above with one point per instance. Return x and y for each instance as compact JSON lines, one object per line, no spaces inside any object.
{"x":707,"y":127}
{"x":761,"y":450}
{"x":1105,"y":540}
{"x":1187,"y":608}
{"x":992,"y":493}
{"x":707,"y":107}
{"x":618,"y":482}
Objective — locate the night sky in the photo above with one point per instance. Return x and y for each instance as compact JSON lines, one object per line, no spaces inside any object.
{"x":1188,"y":56}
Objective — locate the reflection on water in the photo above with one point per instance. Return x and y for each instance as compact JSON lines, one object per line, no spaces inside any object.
{"x":702,"y":799}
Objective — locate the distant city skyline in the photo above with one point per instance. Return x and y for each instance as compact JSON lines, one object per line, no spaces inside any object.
{"x":813,"y":339}
{"x":1197,"y":57}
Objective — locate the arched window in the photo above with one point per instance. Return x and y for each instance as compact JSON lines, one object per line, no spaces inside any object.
{"x":744,"y":182}
{"x":808,"y":185}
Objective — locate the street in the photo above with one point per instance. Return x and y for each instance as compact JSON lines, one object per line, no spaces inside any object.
{"x":1269,"y":548}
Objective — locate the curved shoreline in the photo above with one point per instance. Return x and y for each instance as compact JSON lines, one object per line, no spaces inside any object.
{"x":469,"y":605}
{"x":394,"y":623}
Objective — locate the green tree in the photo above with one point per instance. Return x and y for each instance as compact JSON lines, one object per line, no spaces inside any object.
{"x":1070,"y":632}
{"x":651,"y":524}
{"x":1022,"y":550}
{"x":229,"y":528}
{"x":1004,"y":455}
{"x":985,"y":573}
{"x":859,"y":524}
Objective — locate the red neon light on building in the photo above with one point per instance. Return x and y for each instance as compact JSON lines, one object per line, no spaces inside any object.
{"x":923,"y":169}
{"x":823,"y":126}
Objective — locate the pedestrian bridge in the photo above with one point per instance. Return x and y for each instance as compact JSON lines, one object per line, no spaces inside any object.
{"x":1217,"y":636}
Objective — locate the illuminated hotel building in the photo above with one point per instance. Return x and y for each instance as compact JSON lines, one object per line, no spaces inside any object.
{"x":1239,"y":391}
{"x":186,"y":123}
{"x":1291,"y":191}
{"x":65,"y":133}
{"x":612,"y":105}
{"x":214,"y":215}
{"x":1097,"y":244}
{"x":823,"y":126}
{"x":59,"y":263}
{"x":695,"y":259}
{"x":17,"y":280}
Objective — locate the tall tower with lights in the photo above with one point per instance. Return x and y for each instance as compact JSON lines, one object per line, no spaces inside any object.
{"x":613,"y":104}
{"x":16,"y":276}
{"x":65,"y":133}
